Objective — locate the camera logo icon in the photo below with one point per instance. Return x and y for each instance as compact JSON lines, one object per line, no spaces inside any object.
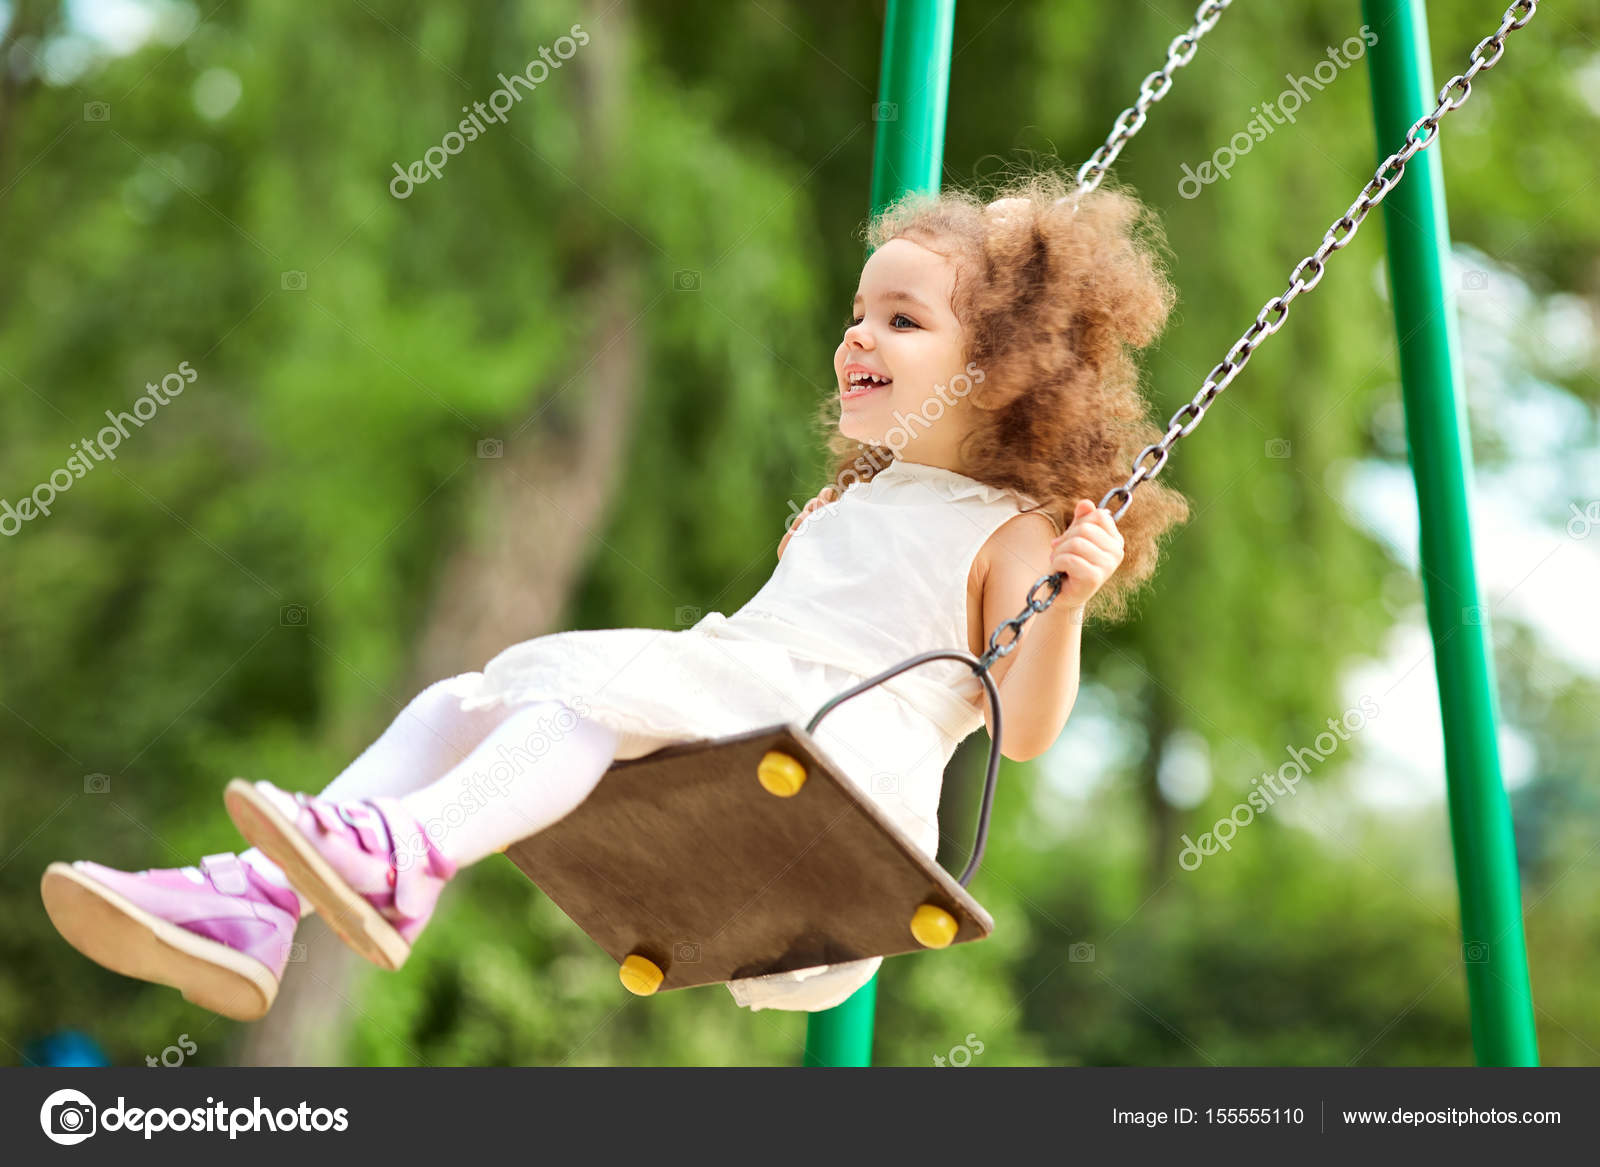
{"x":1278,"y":448}
{"x":68,"y":1117}
{"x":293,"y":281}
{"x":1475,"y":952}
{"x":686,"y":281}
{"x":491,"y":448}
{"x":292,"y":615}
{"x":885,"y":111}
{"x":686,"y":614}
{"x":96,"y":111}
{"x":1081,"y":953}
{"x":1475,"y":281}
{"x":97,"y":783}
{"x":685,"y":952}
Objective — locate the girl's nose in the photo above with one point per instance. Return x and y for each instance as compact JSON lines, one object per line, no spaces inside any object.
{"x":858,"y":336}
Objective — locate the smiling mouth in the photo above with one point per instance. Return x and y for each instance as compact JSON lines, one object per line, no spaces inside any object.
{"x":861,"y":384}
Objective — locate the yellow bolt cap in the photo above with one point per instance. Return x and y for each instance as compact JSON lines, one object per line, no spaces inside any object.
{"x":781,"y":774}
{"x":640,"y":976}
{"x":934,"y":927}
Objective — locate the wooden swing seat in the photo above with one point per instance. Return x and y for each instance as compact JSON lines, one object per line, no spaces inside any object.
{"x":708,"y":861}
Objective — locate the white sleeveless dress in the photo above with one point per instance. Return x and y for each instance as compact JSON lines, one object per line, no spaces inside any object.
{"x":866,"y":581}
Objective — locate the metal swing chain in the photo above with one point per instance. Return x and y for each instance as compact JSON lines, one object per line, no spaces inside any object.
{"x":1129,"y":122}
{"x":1151,"y":90}
{"x":1305,"y":276}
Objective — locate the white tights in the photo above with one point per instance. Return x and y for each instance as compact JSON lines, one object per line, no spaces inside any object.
{"x":477,"y":780}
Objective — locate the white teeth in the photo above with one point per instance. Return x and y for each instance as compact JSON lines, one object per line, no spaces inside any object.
{"x":867,"y":379}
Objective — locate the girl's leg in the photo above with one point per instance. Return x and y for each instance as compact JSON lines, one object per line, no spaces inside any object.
{"x":374,"y":867}
{"x":532,"y":770}
{"x":222,"y":931}
{"x":431,"y":735}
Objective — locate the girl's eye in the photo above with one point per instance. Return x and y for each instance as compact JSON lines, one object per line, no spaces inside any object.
{"x":852,"y":321}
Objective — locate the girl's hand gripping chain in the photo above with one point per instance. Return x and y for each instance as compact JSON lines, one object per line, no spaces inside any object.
{"x":1088,"y":553}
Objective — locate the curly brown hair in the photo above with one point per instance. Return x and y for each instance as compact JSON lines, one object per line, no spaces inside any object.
{"x":1052,"y":302}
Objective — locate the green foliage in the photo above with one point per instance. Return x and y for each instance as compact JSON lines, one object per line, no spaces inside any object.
{"x":324,"y":464}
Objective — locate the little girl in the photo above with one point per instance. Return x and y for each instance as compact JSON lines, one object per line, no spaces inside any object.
{"x":985,"y":394}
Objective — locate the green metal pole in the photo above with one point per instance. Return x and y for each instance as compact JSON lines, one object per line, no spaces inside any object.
{"x":1441,"y":462}
{"x":913,"y":94}
{"x":908,"y":155}
{"x":842,"y":1036}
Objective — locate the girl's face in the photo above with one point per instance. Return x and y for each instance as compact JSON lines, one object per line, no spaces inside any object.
{"x":897,"y":365}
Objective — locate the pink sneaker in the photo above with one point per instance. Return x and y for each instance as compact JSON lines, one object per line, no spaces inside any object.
{"x":367,"y":867}
{"x":219,"y":933}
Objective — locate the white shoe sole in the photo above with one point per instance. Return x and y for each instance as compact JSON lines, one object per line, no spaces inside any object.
{"x":342,"y":908}
{"x":117,"y":934}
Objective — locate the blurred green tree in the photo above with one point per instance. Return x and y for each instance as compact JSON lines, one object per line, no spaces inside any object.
{"x":569,"y":383}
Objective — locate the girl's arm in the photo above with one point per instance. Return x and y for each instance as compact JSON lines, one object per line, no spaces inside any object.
{"x":1038,"y":680}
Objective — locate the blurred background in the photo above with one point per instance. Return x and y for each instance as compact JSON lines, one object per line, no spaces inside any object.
{"x":569,"y":382}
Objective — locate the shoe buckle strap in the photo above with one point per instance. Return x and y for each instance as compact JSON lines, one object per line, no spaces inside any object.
{"x":409,"y":856}
{"x":326,"y":817}
{"x":226,"y":873}
{"x":366,"y":822}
